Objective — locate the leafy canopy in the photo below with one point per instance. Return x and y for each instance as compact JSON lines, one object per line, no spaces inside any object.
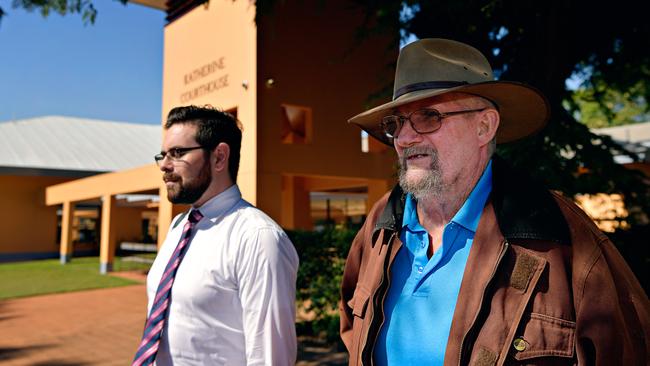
{"x":63,"y":7}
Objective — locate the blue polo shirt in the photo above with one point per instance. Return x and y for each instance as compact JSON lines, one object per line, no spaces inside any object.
{"x":422,"y":295}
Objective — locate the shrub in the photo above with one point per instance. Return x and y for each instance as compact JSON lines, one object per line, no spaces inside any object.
{"x":322,"y":258}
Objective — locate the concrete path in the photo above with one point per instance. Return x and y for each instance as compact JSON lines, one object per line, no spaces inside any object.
{"x":95,"y":327}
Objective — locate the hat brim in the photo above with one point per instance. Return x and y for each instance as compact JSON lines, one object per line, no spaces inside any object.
{"x":523,"y":109}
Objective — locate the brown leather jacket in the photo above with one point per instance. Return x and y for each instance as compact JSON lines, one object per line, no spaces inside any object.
{"x":542,"y":285}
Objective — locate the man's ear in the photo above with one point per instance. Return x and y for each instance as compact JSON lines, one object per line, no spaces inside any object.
{"x":220,"y":154}
{"x":488,"y":125}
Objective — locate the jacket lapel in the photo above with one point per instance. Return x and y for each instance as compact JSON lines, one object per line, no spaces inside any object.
{"x":487,"y":249}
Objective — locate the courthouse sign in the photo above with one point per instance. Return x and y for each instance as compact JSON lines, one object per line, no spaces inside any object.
{"x":212,"y":71}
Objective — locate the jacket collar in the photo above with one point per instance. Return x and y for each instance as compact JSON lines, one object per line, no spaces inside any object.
{"x":391,"y":217}
{"x":523,"y":207}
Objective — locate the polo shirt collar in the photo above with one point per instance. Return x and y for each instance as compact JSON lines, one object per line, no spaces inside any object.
{"x":470,"y":213}
{"x":467,"y":216}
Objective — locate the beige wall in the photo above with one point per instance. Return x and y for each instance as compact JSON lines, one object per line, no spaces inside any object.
{"x":209,"y":56}
{"x":26,"y":223}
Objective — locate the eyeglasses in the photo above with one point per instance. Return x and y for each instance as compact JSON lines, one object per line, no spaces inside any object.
{"x":174,"y":154}
{"x":422,"y":121}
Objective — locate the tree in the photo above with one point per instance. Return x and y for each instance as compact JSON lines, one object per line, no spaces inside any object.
{"x":544,"y":44}
{"x":599,"y":107}
{"x":83,"y":7}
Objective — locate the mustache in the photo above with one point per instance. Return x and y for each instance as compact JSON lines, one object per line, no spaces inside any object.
{"x":171,"y":177}
{"x":415,"y":150}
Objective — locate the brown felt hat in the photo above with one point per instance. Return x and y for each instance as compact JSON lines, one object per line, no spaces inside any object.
{"x":431,"y":67}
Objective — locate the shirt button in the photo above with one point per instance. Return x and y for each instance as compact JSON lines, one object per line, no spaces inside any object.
{"x":421,"y":244}
{"x":420,"y":269}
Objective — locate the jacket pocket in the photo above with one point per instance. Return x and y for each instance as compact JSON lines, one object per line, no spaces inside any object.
{"x":544,"y":336}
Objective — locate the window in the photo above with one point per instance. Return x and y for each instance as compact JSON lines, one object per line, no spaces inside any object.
{"x":296,"y":124}
{"x":370,"y":144}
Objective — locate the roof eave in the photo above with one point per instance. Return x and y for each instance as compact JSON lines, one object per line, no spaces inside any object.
{"x":156,"y":4}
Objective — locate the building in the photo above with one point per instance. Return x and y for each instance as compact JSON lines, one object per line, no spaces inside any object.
{"x":634,"y":138}
{"x":607,"y":209}
{"x":40,"y":152}
{"x":293,"y":79}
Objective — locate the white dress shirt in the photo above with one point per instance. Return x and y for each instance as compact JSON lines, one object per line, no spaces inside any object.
{"x":233,"y":298}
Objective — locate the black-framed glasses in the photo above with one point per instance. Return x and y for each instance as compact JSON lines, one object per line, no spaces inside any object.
{"x":422,"y":121}
{"x":174,"y":154}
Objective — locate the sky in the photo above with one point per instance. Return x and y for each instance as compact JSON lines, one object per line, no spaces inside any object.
{"x":109,"y":70}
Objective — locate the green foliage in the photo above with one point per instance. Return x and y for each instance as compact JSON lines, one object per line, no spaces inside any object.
{"x":49,"y":276}
{"x":603,"y":107}
{"x":62,"y":7}
{"x":322,"y":258}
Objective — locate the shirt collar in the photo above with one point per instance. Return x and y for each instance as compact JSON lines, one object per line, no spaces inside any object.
{"x":469,"y":213}
{"x":410,"y":219}
{"x":218,"y":205}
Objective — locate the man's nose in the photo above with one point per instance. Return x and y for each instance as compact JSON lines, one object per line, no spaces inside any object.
{"x":407,"y":135}
{"x":165,"y":165}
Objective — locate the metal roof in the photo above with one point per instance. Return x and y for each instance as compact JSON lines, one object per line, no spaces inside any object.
{"x":634,"y":138}
{"x":77,"y":144}
{"x":635,"y":132}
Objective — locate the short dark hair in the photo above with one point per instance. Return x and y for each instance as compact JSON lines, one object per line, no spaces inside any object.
{"x":213,"y":127}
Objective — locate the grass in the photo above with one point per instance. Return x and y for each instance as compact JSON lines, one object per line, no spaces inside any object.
{"x":42,"y":277}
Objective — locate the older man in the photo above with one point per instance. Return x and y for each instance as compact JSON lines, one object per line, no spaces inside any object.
{"x":222,"y":288}
{"x":467,"y":262}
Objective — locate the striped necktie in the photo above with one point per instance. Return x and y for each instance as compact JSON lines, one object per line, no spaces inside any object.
{"x":153,"y":329}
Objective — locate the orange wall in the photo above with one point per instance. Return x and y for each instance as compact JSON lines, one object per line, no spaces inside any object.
{"x":216,"y":54}
{"x":209,"y":58}
{"x":128,"y":224}
{"x":308,"y":49}
{"x":29,"y":226}
{"x":26,"y":223}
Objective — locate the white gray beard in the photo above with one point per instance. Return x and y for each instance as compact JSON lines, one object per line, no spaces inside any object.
{"x":428,"y":186}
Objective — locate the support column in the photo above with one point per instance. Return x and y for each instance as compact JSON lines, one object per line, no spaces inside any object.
{"x":376,"y":189}
{"x":66,"y":249}
{"x":107,"y":240}
{"x":302,"y":208}
{"x":296,"y":211}
{"x":165,"y":215}
{"x":287,"y":219}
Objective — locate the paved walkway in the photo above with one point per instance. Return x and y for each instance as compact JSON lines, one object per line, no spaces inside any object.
{"x":95,"y":327}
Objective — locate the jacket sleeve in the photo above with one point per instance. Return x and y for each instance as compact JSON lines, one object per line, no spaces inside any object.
{"x":612,"y":316}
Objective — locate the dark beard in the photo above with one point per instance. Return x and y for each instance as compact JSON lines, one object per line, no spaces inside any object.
{"x":428,"y":186}
{"x":190,"y":191}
